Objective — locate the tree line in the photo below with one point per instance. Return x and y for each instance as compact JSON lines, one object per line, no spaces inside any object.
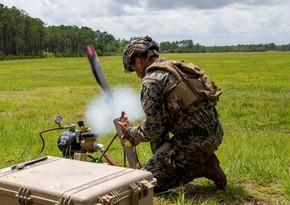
{"x":187,"y":46}
{"x":22,"y":36}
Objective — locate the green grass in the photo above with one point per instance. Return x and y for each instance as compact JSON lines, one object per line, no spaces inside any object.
{"x":254,"y":110}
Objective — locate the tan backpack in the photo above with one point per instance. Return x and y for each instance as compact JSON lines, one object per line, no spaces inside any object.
{"x":193,"y":85}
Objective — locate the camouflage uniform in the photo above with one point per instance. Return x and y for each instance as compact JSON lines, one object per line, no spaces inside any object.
{"x":175,"y":159}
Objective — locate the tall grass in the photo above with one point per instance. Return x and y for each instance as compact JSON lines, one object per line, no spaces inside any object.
{"x":254,"y":110}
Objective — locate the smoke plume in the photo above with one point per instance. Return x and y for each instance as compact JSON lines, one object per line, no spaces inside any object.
{"x":101,"y":111}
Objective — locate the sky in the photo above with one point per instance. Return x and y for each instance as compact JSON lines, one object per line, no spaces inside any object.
{"x":207,"y":22}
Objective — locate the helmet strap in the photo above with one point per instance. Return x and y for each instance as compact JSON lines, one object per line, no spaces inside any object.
{"x":150,"y":54}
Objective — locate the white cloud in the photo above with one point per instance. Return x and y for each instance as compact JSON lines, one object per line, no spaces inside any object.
{"x":219,"y":22}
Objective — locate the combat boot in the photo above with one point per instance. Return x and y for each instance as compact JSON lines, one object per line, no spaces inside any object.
{"x":211,"y":169}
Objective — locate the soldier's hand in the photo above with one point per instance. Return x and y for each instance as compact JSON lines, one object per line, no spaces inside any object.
{"x":124,"y":123}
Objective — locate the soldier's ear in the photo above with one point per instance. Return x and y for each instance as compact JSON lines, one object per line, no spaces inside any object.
{"x":138,"y":60}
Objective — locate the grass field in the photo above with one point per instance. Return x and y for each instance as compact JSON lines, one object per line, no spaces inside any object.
{"x":254,"y":111}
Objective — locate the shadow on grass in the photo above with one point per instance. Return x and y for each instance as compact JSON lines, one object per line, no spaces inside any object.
{"x":209,"y":194}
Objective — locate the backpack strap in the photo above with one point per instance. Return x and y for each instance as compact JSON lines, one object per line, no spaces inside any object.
{"x":167,"y":66}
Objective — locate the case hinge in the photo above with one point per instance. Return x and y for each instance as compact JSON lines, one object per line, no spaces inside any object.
{"x":23,"y":196}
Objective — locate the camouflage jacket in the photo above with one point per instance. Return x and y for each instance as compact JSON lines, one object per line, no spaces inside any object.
{"x":160,"y":116}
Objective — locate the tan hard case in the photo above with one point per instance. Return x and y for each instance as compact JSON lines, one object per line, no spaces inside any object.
{"x":60,"y":181}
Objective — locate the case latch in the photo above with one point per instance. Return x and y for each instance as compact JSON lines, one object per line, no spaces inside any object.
{"x":23,"y":196}
{"x":140,"y":190}
{"x":109,"y":199}
{"x":148,"y":185}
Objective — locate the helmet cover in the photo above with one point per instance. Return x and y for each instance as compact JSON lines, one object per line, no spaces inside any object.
{"x":138,"y":45}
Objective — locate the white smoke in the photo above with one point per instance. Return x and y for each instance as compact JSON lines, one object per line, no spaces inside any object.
{"x":101,"y":111}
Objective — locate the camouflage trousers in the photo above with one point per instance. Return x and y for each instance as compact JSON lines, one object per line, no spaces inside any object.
{"x":175,"y":162}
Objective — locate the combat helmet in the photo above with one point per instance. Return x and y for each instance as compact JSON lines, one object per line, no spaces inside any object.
{"x":139,"y":45}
